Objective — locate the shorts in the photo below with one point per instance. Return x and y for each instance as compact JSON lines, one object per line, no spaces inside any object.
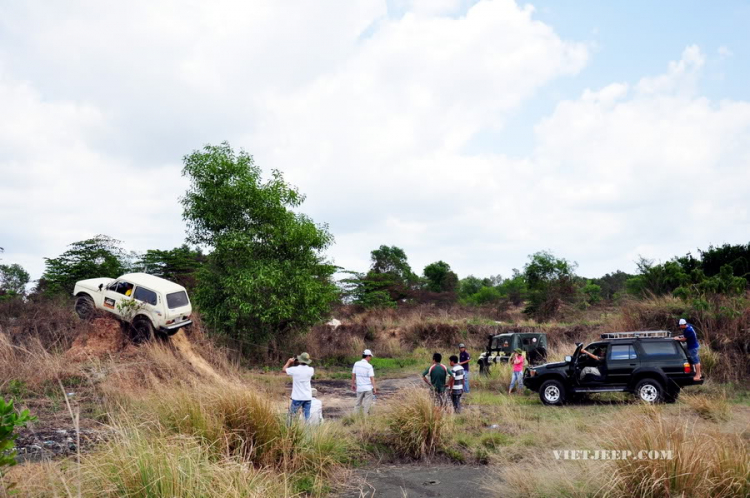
{"x":693,"y":356}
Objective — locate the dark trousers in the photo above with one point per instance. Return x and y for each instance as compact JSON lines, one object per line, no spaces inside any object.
{"x":456,"y":399}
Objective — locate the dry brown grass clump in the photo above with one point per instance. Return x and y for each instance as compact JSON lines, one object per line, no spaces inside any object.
{"x":704,"y":461}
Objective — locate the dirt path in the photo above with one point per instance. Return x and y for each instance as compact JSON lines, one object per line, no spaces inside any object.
{"x":418,"y":481}
{"x":338,"y":398}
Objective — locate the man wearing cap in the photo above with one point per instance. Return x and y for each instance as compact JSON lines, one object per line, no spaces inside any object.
{"x":301,"y":388}
{"x":690,"y":337}
{"x":363,"y":383}
{"x":463,"y":360}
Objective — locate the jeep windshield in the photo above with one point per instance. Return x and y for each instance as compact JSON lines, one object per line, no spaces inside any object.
{"x":177,"y":300}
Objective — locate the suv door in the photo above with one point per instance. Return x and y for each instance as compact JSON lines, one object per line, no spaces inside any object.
{"x":622,"y":360}
{"x":115,"y":293}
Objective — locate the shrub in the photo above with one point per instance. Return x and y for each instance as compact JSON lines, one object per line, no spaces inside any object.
{"x":417,"y":428}
{"x":10,"y":420}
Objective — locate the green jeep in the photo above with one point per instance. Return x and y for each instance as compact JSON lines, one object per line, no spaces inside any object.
{"x":500,"y":347}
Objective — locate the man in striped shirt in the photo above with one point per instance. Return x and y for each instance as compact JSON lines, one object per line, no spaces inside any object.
{"x":456,"y":383}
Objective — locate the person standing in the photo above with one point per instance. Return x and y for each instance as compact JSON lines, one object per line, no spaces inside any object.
{"x":517,"y":360}
{"x":436,"y":376}
{"x":363,"y":383}
{"x":456,"y":383}
{"x":301,"y":388}
{"x":691,"y":339}
{"x":463,"y":359}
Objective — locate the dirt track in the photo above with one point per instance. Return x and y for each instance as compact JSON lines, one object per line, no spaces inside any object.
{"x":338,"y":398}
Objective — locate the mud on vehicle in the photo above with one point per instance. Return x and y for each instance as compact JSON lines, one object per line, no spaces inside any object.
{"x":500,"y":347}
{"x":147,"y":304}
{"x":650,"y":365}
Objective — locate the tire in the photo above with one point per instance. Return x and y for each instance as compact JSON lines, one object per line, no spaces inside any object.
{"x":84,"y":307}
{"x":649,"y":391}
{"x":141,"y":331}
{"x":552,"y":392}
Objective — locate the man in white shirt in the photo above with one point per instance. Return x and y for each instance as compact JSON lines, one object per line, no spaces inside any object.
{"x":316,"y":409}
{"x":363,"y":383}
{"x":301,"y":388}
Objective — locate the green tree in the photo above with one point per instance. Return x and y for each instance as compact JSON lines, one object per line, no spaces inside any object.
{"x":440,"y":278}
{"x":100,"y":256}
{"x":13,"y":280}
{"x":592,"y":292}
{"x":177,"y":265}
{"x":265,"y":274}
{"x":550,"y":281}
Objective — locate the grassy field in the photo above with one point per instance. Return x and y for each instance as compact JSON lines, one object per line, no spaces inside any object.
{"x":182,"y":420}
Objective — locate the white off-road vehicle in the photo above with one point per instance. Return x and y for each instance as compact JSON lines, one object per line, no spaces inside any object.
{"x":149,"y":304}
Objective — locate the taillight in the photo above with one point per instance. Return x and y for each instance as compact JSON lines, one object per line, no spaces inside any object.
{"x":687,"y":368}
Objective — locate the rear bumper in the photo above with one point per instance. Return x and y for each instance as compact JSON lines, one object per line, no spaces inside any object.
{"x":171,"y":329}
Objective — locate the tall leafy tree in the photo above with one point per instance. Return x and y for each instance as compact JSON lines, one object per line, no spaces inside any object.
{"x":265,"y":274}
{"x":440,"y":278}
{"x":100,"y":256}
{"x":178,"y":265}
{"x":550,"y":282}
{"x":13,"y":280}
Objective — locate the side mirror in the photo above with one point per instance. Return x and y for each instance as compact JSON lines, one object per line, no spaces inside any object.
{"x":579,"y":344}
{"x":568,"y":359}
{"x":100,"y":287}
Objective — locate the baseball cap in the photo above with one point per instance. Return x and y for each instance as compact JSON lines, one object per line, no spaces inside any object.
{"x":683,"y":321}
{"x":462,"y":345}
{"x":366,"y":352}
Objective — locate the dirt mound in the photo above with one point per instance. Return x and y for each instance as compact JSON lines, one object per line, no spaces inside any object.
{"x":104,"y":338}
{"x":182,"y":344}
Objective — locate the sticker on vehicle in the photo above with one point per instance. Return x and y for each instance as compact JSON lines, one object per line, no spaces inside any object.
{"x":109,"y":303}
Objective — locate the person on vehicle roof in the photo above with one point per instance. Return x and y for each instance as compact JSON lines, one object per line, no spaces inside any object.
{"x":594,"y":371}
{"x":691,"y":338}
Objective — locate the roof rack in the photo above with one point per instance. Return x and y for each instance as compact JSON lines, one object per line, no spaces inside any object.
{"x":636,"y":335}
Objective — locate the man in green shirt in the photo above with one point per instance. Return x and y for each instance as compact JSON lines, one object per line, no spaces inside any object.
{"x":436,"y":376}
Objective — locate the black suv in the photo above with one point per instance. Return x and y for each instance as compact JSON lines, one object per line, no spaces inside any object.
{"x":651,"y":365}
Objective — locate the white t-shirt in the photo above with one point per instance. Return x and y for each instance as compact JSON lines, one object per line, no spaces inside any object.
{"x":316,"y":411}
{"x":301,"y":388}
{"x":363,"y":370}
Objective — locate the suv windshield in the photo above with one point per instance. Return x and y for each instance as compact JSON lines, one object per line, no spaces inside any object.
{"x":177,"y":300}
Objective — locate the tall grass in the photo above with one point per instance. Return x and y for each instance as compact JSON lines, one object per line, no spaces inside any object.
{"x":705,"y":462}
{"x":416,"y":427}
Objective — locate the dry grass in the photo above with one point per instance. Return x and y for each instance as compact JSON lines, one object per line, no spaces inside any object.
{"x":713,"y":407}
{"x":705,"y":462}
{"x":416,"y":427}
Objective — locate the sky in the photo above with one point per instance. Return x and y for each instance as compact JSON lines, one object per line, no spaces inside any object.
{"x":473,"y":132}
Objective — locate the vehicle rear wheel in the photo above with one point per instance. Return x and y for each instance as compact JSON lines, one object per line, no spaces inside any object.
{"x":141,"y":331}
{"x":649,"y":391}
{"x":552,"y":392}
{"x":84,"y":307}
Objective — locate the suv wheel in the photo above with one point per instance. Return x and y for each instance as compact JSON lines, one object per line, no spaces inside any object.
{"x":552,"y":392}
{"x":649,"y":391}
{"x":84,"y":307}
{"x":141,"y":330}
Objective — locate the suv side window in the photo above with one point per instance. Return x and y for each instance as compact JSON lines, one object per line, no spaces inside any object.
{"x":661,"y":348}
{"x":122,"y":287}
{"x":622,"y":352}
{"x":145,"y":295}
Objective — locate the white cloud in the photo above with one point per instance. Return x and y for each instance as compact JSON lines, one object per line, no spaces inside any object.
{"x":370,"y":116}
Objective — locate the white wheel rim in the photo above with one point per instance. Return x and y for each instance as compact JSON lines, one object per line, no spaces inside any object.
{"x":552,"y":393}
{"x":649,"y":393}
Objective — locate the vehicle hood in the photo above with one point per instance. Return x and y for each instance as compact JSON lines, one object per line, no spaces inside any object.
{"x":552,"y":365}
{"x":93,"y":283}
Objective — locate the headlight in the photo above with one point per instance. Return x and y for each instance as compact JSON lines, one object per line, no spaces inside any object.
{"x":532,"y":372}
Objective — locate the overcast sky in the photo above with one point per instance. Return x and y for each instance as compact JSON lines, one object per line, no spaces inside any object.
{"x":474,"y":132}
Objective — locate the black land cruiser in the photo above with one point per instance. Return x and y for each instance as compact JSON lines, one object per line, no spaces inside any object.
{"x":651,"y":365}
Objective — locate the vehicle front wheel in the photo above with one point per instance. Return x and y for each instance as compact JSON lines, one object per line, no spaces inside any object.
{"x":649,"y":391}
{"x":141,"y":331}
{"x":84,"y":307}
{"x":552,"y":392}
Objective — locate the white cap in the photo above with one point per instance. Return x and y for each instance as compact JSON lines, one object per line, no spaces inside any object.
{"x":367,"y":352}
{"x":314,"y":392}
{"x":683,"y":321}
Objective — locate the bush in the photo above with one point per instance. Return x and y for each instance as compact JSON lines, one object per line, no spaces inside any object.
{"x":417,"y":428}
{"x":10,"y":420}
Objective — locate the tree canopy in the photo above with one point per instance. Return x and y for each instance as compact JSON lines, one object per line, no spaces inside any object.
{"x":265,"y":273}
